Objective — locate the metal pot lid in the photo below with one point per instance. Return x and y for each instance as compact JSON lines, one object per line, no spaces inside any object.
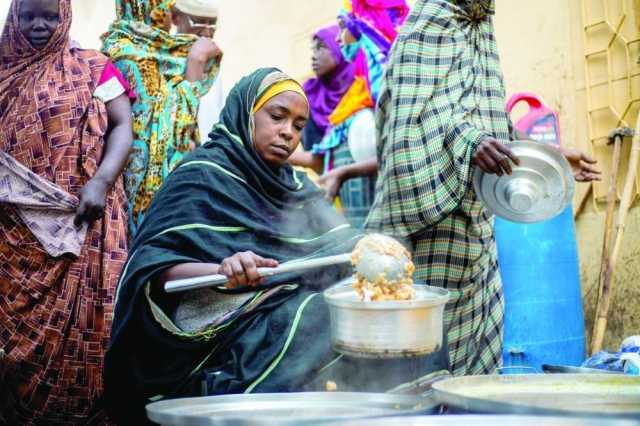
{"x":284,"y":408}
{"x":540,"y":188}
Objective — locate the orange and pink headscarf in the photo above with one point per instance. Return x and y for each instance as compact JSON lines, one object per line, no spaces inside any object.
{"x":375,"y":25}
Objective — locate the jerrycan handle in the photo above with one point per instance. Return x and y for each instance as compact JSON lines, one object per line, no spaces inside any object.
{"x":533,"y":100}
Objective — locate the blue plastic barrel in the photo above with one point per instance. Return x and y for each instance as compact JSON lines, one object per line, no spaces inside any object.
{"x":544,"y":319}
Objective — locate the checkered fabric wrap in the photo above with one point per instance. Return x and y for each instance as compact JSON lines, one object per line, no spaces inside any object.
{"x":442,"y":95}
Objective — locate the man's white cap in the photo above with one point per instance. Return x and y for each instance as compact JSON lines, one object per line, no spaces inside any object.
{"x":200,"y":8}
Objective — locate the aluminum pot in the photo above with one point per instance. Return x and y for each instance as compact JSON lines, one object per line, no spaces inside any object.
{"x":389,"y":329}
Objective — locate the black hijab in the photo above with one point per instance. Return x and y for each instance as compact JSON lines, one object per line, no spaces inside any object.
{"x":221,"y":200}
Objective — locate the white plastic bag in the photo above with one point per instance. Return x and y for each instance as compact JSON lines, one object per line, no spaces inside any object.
{"x":362,"y":136}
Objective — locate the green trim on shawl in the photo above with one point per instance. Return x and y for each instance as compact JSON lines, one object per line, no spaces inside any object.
{"x":122,"y":275}
{"x":228,"y":229}
{"x":297,"y":180}
{"x":292,"y":333}
{"x":161,"y":317}
{"x":207,"y":334}
{"x":329,"y":365}
{"x":145,"y":360}
{"x":249,"y":306}
{"x":156,"y":398}
{"x":215,"y":166}
{"x":311,"y":240}
{"x":232,"y":136}
{"x":231,"y":229}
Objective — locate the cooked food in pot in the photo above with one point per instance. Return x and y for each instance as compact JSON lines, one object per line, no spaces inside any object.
{"x":383,"y":287}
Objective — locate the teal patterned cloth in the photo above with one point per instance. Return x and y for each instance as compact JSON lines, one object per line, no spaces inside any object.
{"x":166,"y":110}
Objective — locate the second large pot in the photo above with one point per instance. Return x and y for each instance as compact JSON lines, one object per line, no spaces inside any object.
{"x":389,"y":329}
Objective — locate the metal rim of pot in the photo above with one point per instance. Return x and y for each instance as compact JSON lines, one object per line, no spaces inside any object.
{"x":386,"y":329}
{"x":437,"y":297}
{"x":546,"y":394}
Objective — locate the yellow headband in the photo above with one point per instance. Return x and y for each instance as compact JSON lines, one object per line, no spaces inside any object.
{"x":276,"y":89}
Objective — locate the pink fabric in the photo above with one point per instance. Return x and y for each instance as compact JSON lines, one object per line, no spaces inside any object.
{"x":382,"y":14}
{"x":361,"y":67}
{"x":46,"y":209}
{"x":111,"y":71}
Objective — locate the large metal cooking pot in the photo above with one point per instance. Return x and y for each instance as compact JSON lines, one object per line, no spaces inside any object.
{"x":540,"y":188}
{"x":389,"y":329}
{"x":548,"y":394}
{"x":284,"y":408}
{"x":487,"y":421}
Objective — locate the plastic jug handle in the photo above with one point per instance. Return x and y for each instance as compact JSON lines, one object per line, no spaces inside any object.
{"x":533,"y":100}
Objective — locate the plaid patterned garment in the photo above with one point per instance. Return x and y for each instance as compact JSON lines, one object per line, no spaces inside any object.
{"x":442,"y":95}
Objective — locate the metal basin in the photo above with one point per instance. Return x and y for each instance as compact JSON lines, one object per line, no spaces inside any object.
{"x":284,"y":408}
{"x":389,"y":329}
{"x":488,"y":421}
{"x":546,"y":394}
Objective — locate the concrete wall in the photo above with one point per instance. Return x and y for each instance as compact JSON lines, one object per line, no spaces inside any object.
{"x":274,"y":33}
{"x":542,"y":51}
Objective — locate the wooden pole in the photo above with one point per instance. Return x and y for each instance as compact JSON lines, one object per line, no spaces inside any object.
{"x":600,"y":325}
{"x":608,"y":239}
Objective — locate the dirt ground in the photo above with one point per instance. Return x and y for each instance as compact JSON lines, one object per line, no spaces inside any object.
{"x":624,"y":313}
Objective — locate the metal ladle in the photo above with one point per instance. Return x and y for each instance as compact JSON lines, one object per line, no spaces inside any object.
{"x":371,"y":264}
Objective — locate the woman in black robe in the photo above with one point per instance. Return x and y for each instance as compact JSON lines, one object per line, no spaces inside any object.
{"x":232,"y":206}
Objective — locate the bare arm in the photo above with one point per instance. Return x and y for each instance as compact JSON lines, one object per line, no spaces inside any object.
{"x":118,"y":145}
{"x":302,"y":158}
{"x":333,"y":181}
{"x":119,"y":140}
{"x":241,"y":269}
{"x":584,"y":167}
{"x":202,"y":51}
{"x":187,"y":270}
{"x":361,"y":169}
